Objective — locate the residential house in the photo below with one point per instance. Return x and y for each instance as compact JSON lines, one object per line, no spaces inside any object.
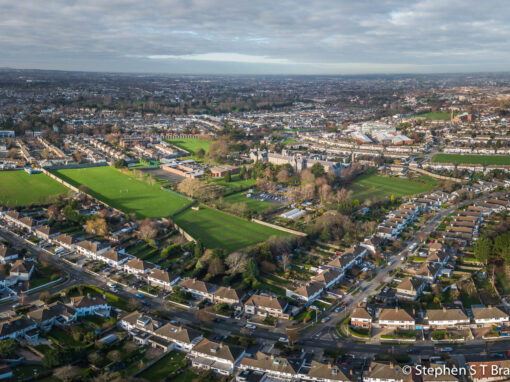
{"x":447,"y":318}
{"x":484,"y":317}
{"x":219,"y":357}
{"x":18,"y":328}
{"x":113,"y":258}
{"x":360,"y":318}
{"x":322,"y":372}
{"x":87,"y":306}
{"x":46,"y":232}
{"x":410,"y":288}
{"x":7,"y":254}
{"x":382,"y":372}
{"x":227,"y":295}
{"x":395,"y":319}
{"x":272,"y":366}
{"x":22,"y":270}
{"x":54,"y":314}
{"x":138,"y":267}
{"x":91,"y":249}
{"x":66,"y":241}
{"x":199,"y":289}
{"x":266,"y":305}
{"x":163,"y":279}
{"x":183,"y":339}
{"x":307,"y":293}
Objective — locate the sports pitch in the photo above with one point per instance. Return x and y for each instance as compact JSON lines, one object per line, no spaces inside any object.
{"x":18,"y":188}
{"x":124,"y":192}
{"x":219,"y":230}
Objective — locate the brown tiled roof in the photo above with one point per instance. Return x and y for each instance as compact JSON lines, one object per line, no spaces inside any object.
{"x":446,"y":315}
{"x":86,"y":301}
{"x":227,"y":293}
{"x":327,"y":372}
{"x":395,"y":315}
{"x":266,"y":302}
{"x":488,"y":313}
{"x":360,"y":313}
{"x":270,"y":362}
{"x":219,"y":350}
{"x":194,"y":284}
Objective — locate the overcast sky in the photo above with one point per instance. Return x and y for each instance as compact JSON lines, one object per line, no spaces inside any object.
{"x":258,"y":36}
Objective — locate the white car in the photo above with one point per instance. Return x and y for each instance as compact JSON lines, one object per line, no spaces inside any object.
{"x":251,"y":326}
{"x":284,"y":340}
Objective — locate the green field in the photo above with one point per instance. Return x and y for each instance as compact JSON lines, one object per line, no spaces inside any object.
{"x":253,"y":204}
{"x":485,"y":160}
{"x":190,"y":144}
{"x":368,"y":186}
{"x":235,"y":184}
{"x":219,"y":230}
{"x":435,"y":116}
{"x":19,"y":188}
{"x":124,"y":192}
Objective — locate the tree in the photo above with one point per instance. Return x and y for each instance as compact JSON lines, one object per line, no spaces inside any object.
{"x":148,"y":229}
{"x":286,"y":260}
{"x":483,"y":249}
{"x":198,"y":251}
{"x":236,"y":262}
{"x":216,"y":267}
{"x":242,"y":172}
{"x":97,"y":226}
{"x":45,"y":297}
{"x":114,"y":356}
{"x":13,"y":153}
{"x":53,"y":212}
{"x":252,"y":271}
{"x":318,"y":170}
{"x":200,"y":153}
{"x":227,"y":177}
{"x":7,"y":348}
{"x":66,"y":373}
{"x":283,"y":175}
{"x":307,"y":177}
{"x":120,"y":163}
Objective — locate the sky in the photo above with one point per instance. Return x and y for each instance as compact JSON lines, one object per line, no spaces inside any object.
{"x":256,"y":37}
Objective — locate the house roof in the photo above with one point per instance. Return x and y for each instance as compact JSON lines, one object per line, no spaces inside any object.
{"x":138,"y":264}
{"x":64,"y":238}
{"x":219,"y":350}
{"x":488,"y":313}
{"x":22,"y":266}
{"x":7,"y":251}
{"x":270,"y":362}
{"x":410,"y":284}
{"x":266,"y":302}
{"x":327,"y":371}
{"x":327,"y":276}
{"x":395,"y":315}
{"x":446,"y":315}
{"x":227,"y":293}
{"x":483,"y":369}
{"x":142,"y":321}
{"x":178,"y":333}
{"x":201,"y":286}
{"x":162,"y":275}
{"x":87,"y":301}
{"x":309,"y":289}
{"x":14,"y":325}
{"x":114,"y":255}
{"x":382,"y":371}
{"x":360,"y":313}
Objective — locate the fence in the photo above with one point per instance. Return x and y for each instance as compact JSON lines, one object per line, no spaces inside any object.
{"x":297,"y":233}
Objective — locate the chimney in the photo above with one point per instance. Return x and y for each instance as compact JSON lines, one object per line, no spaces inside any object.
{"x":391,"y":365}
{"x":396,"y":309}
{"x":329,"y":365}
{"x":351,"y":372}
{"x":444,"y":308}
{"x":414,"y":311}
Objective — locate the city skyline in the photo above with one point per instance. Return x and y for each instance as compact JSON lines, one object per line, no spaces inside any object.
{"x":213,"y":37}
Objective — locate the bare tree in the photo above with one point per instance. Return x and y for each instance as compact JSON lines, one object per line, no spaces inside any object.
{"x":286,"y":260}
{"x":66,"y":373}
{"x":97,"y":226}
{"x":283,"y":175}
{"x":236,"y":262}
{"x":148,"y":229}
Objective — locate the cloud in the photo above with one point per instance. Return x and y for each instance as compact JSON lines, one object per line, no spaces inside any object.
{"x":257,"y":36}
{"x":222,"y":57}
